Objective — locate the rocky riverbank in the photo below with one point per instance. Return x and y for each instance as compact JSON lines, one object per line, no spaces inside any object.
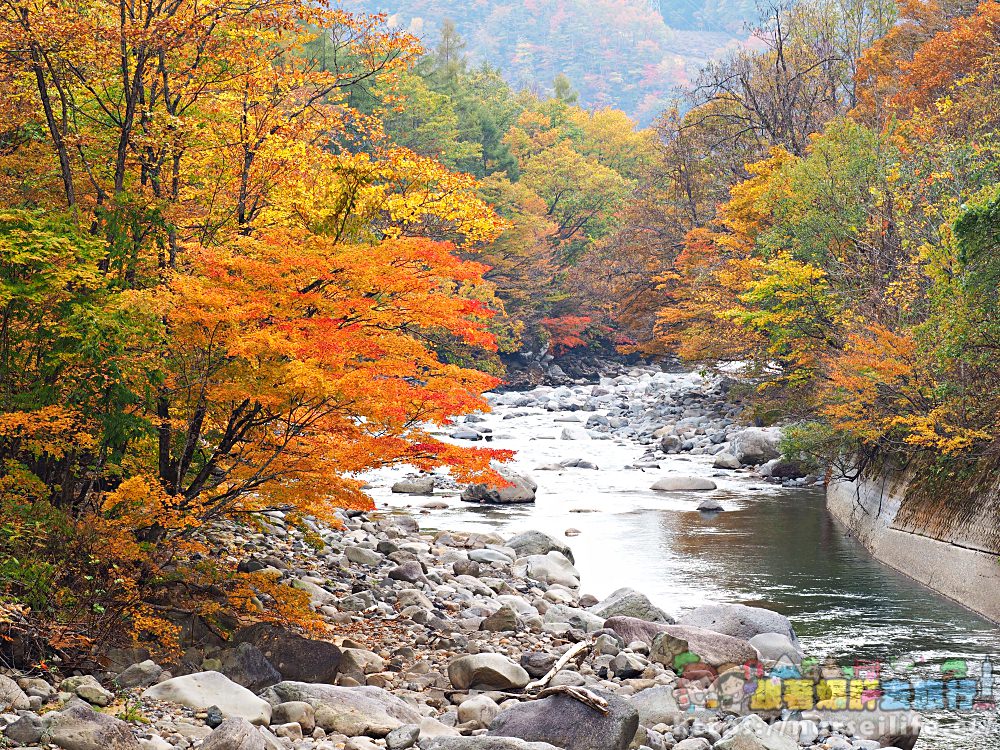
{"x":446,"y":640}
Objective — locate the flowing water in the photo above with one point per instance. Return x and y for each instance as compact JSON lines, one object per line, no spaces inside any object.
{"x":772,"y":547}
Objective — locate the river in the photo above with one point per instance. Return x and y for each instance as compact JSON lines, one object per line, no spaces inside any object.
{"x":772,"y":546}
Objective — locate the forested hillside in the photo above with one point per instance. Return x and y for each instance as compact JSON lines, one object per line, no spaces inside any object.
{"x":627,"y":54}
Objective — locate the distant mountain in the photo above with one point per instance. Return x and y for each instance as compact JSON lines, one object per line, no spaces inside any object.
{"x":629,"y":54}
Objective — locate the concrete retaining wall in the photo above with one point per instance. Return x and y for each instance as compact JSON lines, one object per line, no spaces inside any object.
{"x":949,"y":547}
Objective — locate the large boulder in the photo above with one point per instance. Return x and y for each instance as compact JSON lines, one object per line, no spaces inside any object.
{"x":79,"y":727}
{"x":142,"y":674}
{"x":567,"y":723}
{"x":755,"y":445}
{"x":521,"y":489}
{"x":481,"y":743}
{"x":631,"y":629}
{"x":536,"y":543}
{"x":414,"y":486}
{"x":247,"y":665}
{"x":234,"y":734}
{"x":297,"y":658}
{"x":12,"y":698}
{"x":204,"y":689}
{"x":776,"y":646}
{"x":714,"y":649}
{"x":739,"y":621}
{"x":550,"y":568}
{"x":682,"y":483}
{"x":657,"y":705}
{"x":486,"y":672}
{"x":352,"y":711}
{"x":628,"y":602}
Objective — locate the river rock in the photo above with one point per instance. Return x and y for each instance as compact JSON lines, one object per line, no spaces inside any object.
{"x":567,"y":723}
{"x":657,"y":705}
{"x":503,"y":620}
{"x":26,"y":731}
{"x":755,"y":445}
{"x":403,"y":738}
{"x":482,"y":743}
{"x":479,"y":710}
{"x":520,"y":490}
{"x":358,"y":662}
{"x":776,"y":646}
{"x":12,"y":698}
{"x":627,"y":602}
{"x":574,"y":433}
{"x":204,"y":689}
{"x":298,"y":712}
{"x":536,"y":543}
{"x":575,"y":617}
{"x":79,"y":727}
{"x":712,"y":648}
{"x":486,"y":672}
{"x":726,"y":460}
{"x":296,"y":657}
{"x":234,"y":734}
{"x":739,"y":621}
{"x":631,"y":629}
{"x":550,"y":568}
{"x":680,"y":483}
{"x":363,"y":556}
{"x":710,"y":505}
{"x":143,"y":674}
{"x":350,"y":711}
{"x":247,"y":666}
{"x":414,"y":486}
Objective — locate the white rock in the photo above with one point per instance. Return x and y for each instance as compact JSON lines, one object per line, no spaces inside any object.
{"x":205,"y":689}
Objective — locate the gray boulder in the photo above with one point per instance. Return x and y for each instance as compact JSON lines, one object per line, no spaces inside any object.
{"x":739,"y":621}
{"x":627,"y":602}
{"x":567,"y":723}
{"x":521,"y":489}
{"x":551,"y":568}
{"x":414,"y":486}
{"x":143,"y":674}
{"x":776,"y":646}
{"x":352,"y":711}
{"x":680,"y":483}
{"x":710,"y":505}
{"x":12,"y":698}
{"x":726,"y":460}
{"x":632,"y":629}
{"x":79,"y":727}
{"x":657,"y":705}
{"x":481,"y":743}
{"x":234,"y":734}
{"x":755,"y":445}
{"x":246,"y":665}
{"x":486,"y":672}
{"x":26,"y":731}
{"x":296,"y":657}
{"x":714,"y":649}
{"x":577,"y":618}
{"x":536,"y":543}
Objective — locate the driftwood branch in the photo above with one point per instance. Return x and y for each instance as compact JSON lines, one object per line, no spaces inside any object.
{"x":565,"y":659}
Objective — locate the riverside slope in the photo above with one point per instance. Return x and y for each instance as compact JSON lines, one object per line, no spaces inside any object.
{"x":433,"y":638}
